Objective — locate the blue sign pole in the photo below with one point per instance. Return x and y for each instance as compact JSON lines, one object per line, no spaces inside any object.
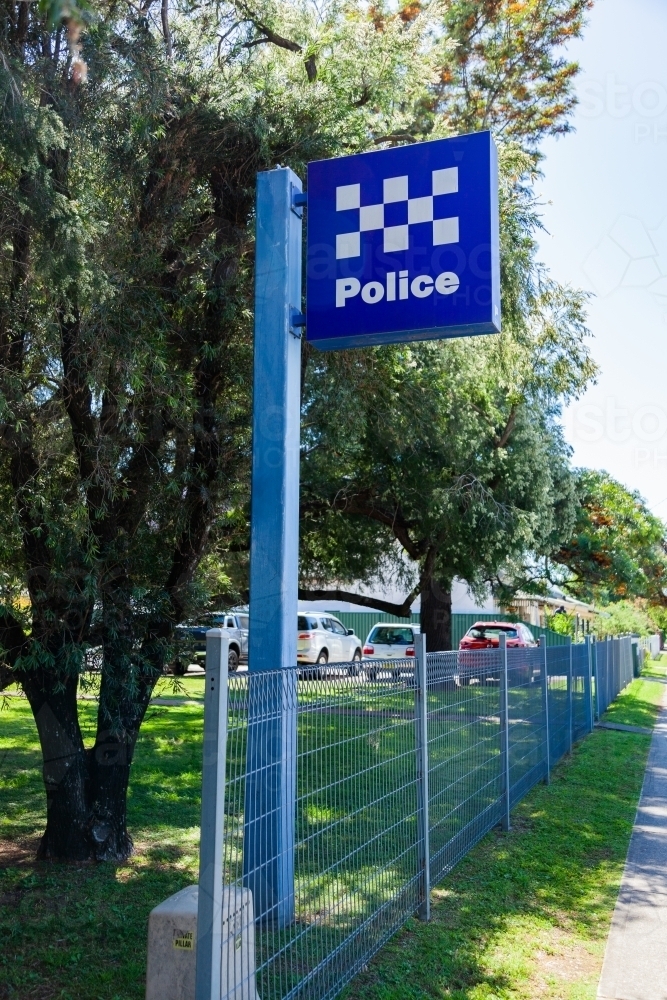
{"x":268,"y":850}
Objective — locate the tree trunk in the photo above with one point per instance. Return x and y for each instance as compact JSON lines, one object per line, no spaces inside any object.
{"x":65,"y":767}
{"x":110,"y":761}
{"x":86,"y":790}
{"x":436,"y":615}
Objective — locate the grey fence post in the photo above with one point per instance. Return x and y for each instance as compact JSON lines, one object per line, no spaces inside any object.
{"x":545,"y":703}
{"x":589,"y":683}
{"x":209,"y":906}
{"x":504,"y":732}
{"x":421,"y":716}
{"x":570,"y":703}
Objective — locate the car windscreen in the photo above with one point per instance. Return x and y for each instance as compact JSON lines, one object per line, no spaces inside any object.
{"x":492,"y":633}
{"x":391,"y":636}
{"x":211,"y":621}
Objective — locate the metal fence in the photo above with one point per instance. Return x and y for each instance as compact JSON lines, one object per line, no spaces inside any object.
{"x":650,"y":644}
{"x":348,"y":791}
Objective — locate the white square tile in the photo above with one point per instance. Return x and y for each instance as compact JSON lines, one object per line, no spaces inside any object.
{"x":420,"y":210}
{"x":445,"y":231}
{"x":446,"y":181}
{"x":396,"y":238}
{"x":371,"y":217}
{"x":348,"y":245}
{"x":395,"y":189}
{"x":348,"y":196}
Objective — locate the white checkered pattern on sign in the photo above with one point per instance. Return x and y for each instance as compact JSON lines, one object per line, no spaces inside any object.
{"x":395,"y":189}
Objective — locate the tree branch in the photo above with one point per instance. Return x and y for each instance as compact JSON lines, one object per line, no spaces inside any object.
{"x":362,"y":505}
{"x":501,"y":441}
{"x":164,"y":14}
{"x":397,"y":137}
{"x":400,"y":610}
{"x":274,"y":38}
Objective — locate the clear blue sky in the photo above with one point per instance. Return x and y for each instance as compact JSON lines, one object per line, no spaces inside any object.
{"x":606,"y":188}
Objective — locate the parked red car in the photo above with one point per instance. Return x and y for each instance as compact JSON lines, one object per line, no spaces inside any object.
{"x":486,"y":635}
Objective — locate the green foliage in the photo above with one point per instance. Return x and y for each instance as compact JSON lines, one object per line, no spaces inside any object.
{"x":617,"y":550}
{"x":658,"y":615}
{"x":562,"y":622}
{"x":506,"y":70}
{"x":623,"y":617}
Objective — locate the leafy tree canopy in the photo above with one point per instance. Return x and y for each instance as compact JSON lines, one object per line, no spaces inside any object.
{"x":617,"y":551}
{"x":623,"y":617}
{"x":130,"y":136}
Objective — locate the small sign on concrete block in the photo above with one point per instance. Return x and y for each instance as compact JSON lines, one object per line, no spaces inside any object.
{"x":172,"y":939}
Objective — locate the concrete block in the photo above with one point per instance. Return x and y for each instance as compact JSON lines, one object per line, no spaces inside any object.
{"x":172,"y":946}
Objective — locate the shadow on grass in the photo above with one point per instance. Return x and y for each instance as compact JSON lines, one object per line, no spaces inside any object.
{"x":79,"y":932}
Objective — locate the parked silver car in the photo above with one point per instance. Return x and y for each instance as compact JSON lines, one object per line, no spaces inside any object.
{"x":389,"y":641}
{"x":193,"y":638}
{"x":321,"y":638}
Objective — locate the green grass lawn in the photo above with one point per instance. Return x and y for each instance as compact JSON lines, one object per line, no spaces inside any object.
{"x":79,"y":931}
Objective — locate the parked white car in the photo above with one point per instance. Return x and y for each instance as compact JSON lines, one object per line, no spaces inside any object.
{"x":389,"y":641}
{"x":321,"y":638}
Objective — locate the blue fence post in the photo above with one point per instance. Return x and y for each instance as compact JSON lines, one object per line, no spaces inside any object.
{"x":268,"y":849}
{"x":423,"y":824}
{"x":570,"y":703}
{"x":209,"y":900}
{"x":504,"y":732}
{"x":596,"y":676}
{"x":545,"y":707}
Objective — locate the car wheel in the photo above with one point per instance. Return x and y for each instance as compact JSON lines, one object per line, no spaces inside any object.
{"x":180,"y":668}
{"x":353,"y":669}
{"x":464,"y":681}
{"x":232,"y":661}
{"x":322,"y":658}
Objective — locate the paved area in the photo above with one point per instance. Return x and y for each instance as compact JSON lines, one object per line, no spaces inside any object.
{"x":635,"y":962}
{"x":622,"y":728}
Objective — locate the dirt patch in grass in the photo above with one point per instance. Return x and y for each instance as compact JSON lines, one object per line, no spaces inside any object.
{"x":14,"y":853}
{"x":557,"y":960}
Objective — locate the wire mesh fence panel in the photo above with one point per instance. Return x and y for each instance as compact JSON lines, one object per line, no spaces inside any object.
{"x":626,"y":654}
{"x":464,"y":753}
{"x":527,"y":734}
{"x":355,"y":854}
{"x":581,"y":711}
{"x":558,"y":669}
{"x":602,"y":672}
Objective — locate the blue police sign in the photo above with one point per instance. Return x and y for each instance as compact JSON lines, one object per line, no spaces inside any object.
{"x":403,"y":244}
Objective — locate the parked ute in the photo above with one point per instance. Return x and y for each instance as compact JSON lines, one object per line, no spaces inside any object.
{"x":486,"y":635}
{"x":193,"y":637}
{"x":321,"y":638}
{"x":387,"y":641}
